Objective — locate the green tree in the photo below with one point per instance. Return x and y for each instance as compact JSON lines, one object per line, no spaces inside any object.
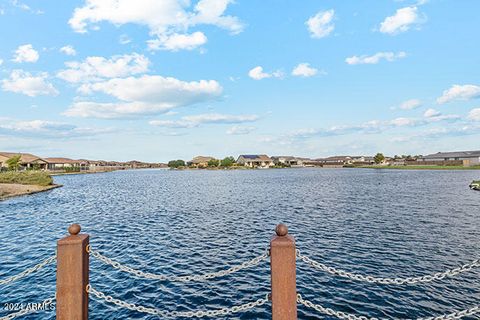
{"x":227,"y":162}
{"x":213,"y":163}
{"x":13,"y":163}
{"x":176,"y":163}
{"x":379,"y":158}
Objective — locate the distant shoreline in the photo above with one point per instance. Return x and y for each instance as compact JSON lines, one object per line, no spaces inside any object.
{"x":418,"y":167}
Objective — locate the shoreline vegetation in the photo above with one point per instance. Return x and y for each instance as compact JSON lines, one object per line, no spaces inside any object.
{"x":15,"y":183}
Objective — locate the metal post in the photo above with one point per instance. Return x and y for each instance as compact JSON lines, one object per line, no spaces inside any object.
{"x":72,"y":275}
{"x":282,"y":264}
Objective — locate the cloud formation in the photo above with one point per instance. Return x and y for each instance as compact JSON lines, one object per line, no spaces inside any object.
{"x":47,"y":129}
{"x":68,"y":50}
{"x":240,"y":130}
{"x":459,"y":92}
{"x":474,"y":114}
{"x":176,"y":41}
{"x":401,"y":21}
{"x":321,"y":24}
{"x":145,"y":95}
{"x":25,"y":83}
{"x":208,"y":118}
{"x":99,"y":68}
{"x":410,"y":104}
{"x":257,"y":73}
{"x":168,"y":20}
{"x":376,"y":58}
{"x":26,"y":53}
{"x":304,"y":70}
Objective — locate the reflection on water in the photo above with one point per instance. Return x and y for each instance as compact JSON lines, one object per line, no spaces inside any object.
{"x":378,"y":222}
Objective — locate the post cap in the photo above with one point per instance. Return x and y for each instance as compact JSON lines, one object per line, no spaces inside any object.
{"x":281,"y":230}
{"x":74,"y":229}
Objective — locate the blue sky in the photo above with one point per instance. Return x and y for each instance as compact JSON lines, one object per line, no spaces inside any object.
{"x":156,"y":80}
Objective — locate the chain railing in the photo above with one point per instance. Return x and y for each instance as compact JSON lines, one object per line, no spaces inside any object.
{"x":349,"y":316}
{"x":388,"y":281}
{"x":188,"y":278}
{"x":177,"y":314}
{"x":28,"y":271}
{"x":26,"y":311}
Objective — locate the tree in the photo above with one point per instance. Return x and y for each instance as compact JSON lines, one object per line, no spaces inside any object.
{"x":176,"y":163}
{"x":379,"y":158}
{"x":227,"y":162}
{"x":13,"y":163}
{"x":213,"y":163}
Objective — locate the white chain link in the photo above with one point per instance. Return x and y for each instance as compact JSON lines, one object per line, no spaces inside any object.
{"x":27,"y":310}
{"x":395,"y":281}
{"x":176,"y":314}
{"x":348,"y":316}
{"x":28,"y":271}
{"x":201,"y":277}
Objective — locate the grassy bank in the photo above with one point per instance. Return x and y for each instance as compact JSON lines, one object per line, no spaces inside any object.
{"x":37,"y":178}
{"x":422,"y":167}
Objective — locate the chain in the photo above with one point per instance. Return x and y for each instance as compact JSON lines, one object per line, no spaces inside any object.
{"x":395,"y":281}
{"x":177,"y":314}
{"x":201,"y":277}
{"x":28,"y":271}
{"x":25,"y":311}
{"x":348,"y":316}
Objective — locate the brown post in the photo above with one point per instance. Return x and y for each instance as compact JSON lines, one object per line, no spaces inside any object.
{"x":282,"y":264}
{"x":72,"y":275}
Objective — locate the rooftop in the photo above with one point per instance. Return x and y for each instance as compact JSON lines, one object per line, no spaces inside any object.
{"x":456,"y":154}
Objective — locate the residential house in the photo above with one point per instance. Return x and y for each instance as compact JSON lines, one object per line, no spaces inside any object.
{"x":288,"y":160}
{"x":335,"y":161}
{"x":255,"y":160}
{"x":27,"y":161}
{"x":467,"y":158}
{"x":200,"y":161}
{"x":61,"y":163}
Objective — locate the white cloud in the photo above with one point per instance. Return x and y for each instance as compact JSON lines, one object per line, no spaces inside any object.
{"x":26,"y":53}
{"x":474,"y":114}
{"x":460,"y":92}
{"x":145,"y":95}
{"x":410,"y":104}
{"x":431,"y":113}
{"x":304,"y":70}
{"x":50,"y":129}
{"x":99,"y":68}
{"x":403,"y":122}
{"x":176,"y":41}
{"x":124,"y":39}
{"x":240,"y":130}
{"x":321,"y":24}
{"x":1,"y":62}
{"x":103,"y":110}
{"x":401,"y":21}
{"x":257,"y":73}
{"x":23,"y":82}
{"x":208,"y":118}
{"x":68,"y":50}
{"x":376,"y":58}
{"x":166,"y":19}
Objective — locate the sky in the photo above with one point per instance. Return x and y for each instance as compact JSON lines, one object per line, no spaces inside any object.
{"x":158,"y":80}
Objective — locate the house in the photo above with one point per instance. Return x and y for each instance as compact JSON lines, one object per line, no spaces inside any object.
{"x":200,"y":161}
{"x":335,"y":161}
{"x":255,"y":160}
{"x":467,"y":158}
{"x":61,"y":163}
{"x":27,"y":161}
{"x":288,"y":160}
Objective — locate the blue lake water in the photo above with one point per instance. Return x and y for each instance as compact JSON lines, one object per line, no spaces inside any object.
{"x":378,"y":222}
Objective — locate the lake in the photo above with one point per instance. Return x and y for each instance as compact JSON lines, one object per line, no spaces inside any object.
{"x":378,"y":222}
